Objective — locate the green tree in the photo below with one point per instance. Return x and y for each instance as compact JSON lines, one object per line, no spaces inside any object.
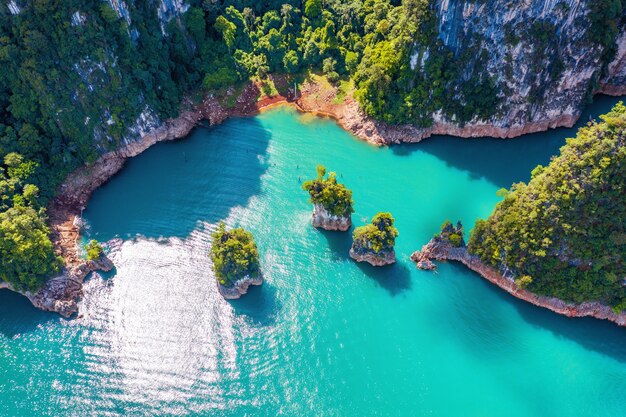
{"x":333,"y":197}
{"x":234,"y":254}
{"x":377,"y":237}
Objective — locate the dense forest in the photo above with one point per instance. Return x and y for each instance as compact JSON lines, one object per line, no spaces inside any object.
{"x":564,"y":233}
{"x":79,"y":76}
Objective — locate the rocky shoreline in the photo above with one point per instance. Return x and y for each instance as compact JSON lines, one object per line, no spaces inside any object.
{"x":386,"y":258}
{"x":441,"y":250}
{"x":72,"y":196}
{"x":240,"y":287}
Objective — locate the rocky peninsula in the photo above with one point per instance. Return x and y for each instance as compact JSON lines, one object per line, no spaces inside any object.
{"x":440,"y":248}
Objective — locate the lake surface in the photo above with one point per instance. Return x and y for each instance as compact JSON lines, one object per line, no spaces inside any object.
{"x":323,"y":336}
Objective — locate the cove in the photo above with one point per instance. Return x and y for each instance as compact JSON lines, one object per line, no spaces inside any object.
{"x":323,"y":336}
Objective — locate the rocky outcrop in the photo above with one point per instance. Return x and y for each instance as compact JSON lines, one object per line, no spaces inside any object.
{"x":539,"y":53}
{"x":240,"y":287}
{"x":441,"y":250}
{"x":376,"y":259}
{"x":60,"y":294}
{"x":321,"y":218}
{"x":422,"y":261}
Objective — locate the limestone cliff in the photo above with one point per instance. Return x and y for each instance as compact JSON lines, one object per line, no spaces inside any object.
{"x":540,"y":54}
{"x":321,"y":218}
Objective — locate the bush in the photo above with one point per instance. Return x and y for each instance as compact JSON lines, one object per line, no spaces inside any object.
{"x":524,"y":281}
{"x":455,"y":239}
{"x":94,"y":250}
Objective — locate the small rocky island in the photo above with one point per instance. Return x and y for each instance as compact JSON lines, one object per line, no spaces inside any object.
{"x":235,"y":261}
{"x":374,"y":243}
{"x":332,"y":202}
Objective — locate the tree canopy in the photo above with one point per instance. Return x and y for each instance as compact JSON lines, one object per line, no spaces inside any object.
{"x":334,"y":197}
{"x":564,"y":233}
{"x":234,"y":254}
{"x":377,"y":237}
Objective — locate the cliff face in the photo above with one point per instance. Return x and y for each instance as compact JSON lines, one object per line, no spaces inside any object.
{"x":538,"y":52}
{"x":615,"y":82}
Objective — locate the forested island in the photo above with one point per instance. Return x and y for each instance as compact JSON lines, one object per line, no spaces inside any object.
{"x":332,"y":202}
{"x":235,"y":261}
{"x":86,"y":84}
{"x":374,"y":243}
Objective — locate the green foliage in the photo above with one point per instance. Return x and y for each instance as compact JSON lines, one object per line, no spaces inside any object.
{"x":26,"y":253}
{"x":377,"y":237}
{"x":524,"y":281}
{"x":27,"y":257}
{"x":234,"y":255}
{"x":451,"y":233}
{"x":566,"y":227}
{"x":605,"y":16}
{"x":455,"y":239}
{"x":94,"y":250}
{"x":334,"y":197}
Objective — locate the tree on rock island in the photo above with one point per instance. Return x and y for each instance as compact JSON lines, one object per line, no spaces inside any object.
{"x":374,"y":243}
{"x":235,"y":261}
{"x":332,"y":202}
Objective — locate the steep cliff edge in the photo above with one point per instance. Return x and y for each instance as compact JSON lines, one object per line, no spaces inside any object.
{"x":541,"y":54}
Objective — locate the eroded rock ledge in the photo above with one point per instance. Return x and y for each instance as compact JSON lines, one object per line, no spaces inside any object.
{"x":321,"y":218}
{"x":382,"y":259}
{"x":441,"y":250}
{"x":240,"y":287}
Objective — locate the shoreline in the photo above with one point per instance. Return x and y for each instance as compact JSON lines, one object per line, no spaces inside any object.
{"x":65,"y":210}
{"x":440,"y":250}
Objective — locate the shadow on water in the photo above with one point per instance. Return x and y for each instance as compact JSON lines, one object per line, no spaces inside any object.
{"x":174,"y":185}
{"x":394,"y":278}
{"x":17,"y":315}
{"x":259,"y":305}
{"x":504,"y":161}
{"x":597,"y":335}
{"x":338,"y":242}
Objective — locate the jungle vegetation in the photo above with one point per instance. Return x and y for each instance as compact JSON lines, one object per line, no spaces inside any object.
{"x":564,"y":233}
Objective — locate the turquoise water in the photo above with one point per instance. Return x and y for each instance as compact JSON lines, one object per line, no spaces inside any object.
{"x":323,"y":336}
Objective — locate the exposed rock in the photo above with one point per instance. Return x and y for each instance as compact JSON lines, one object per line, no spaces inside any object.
{"x":376,"y":259}
{"x":60,"y":294}
{"x":614,"y":83}
{"x":323,"y":219}
{"x":240,"y":287}
{"x":422,"y":261}
{"x":441,"y":249}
